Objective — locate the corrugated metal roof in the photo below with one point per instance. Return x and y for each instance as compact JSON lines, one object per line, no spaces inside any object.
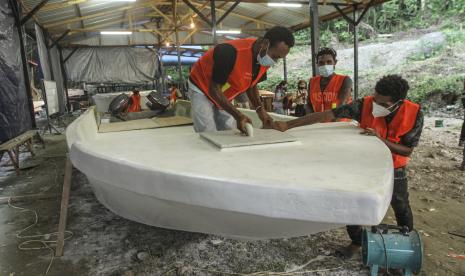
{"x":85,"y":18}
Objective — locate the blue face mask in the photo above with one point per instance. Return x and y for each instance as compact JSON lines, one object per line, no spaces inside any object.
{"x":266,"y":60}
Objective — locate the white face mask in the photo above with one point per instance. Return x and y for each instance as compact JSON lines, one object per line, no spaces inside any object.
{"x":381,"y":111}
{"x":326,"y":70}
{"x":266,"y":60}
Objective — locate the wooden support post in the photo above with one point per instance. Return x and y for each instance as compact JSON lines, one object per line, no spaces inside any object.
{"x":314,"y":33}
{"x":355,"y":53}
{"x":69,"y":55}
{"x":213,"y":16}
{"x":228,"y":11}
{"x":181,"y":81}
{"x":14,"y":161}
{"x":33,"y":12}
{"x":203,"y":17}
{"x":30,"y":147}
{"x":64,"y":207}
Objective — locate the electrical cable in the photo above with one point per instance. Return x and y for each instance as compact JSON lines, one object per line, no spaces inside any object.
{"x":33,"y":238}
{"x":385,"y":253}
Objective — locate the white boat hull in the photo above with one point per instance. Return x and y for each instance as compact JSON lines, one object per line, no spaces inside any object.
{"x":171,"y":178}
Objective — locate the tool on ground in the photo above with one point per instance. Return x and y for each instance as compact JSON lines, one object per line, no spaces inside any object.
{"x":392,"y":246}
{"x":249,"y":129}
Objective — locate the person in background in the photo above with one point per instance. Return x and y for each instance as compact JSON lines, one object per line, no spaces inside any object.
{"x":174,"y":94}
{"x":279,"y":94}
{"x":288,"y":102}
{"x":301,"y":98}
{"x":462,"y":133}
{"x":397,"y":122}
{"x":328,"y":90}
{"x":230,"y":69}
{"x":134,"y":101}
{"x":242,"y":101}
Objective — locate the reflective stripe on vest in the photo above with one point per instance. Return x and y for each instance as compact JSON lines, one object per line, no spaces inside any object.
{"x":240,"y":78}
{"x":403,"y":121}
{"x":329,"y":97}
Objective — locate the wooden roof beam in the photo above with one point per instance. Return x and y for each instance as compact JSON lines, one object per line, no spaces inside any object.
{"x":132,"y":7}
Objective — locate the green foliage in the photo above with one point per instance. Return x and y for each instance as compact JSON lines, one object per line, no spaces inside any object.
{"x":172,"y":71}
{"x":302,"y":36}
{"x":425,"y":86}
{"x":394,"y":16}
{"x":454,"y":36}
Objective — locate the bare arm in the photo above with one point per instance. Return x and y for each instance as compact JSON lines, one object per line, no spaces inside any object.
{"x":218,"y":96}
{"x":346,"y":89}
{"x":305,"y":120}
{"x":254,"y":97}
{"x":344,"y":96}
{"x":398,"y":148}
{"x":393,"y":147}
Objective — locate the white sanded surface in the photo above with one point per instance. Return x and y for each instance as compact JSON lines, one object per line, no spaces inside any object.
{"x":233,"y":138}
{"x":172,"y":178}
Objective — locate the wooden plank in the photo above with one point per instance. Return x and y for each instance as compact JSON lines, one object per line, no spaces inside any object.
{"x":14,"y":161}
{"x":172,"y":121}
{"x":64,"y":207}
{"x":20,"y":139}
{"x":157,"y":122}
{"x":127,"y":125}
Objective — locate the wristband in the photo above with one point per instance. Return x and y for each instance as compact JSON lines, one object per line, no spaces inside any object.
{"x":259,"y":107}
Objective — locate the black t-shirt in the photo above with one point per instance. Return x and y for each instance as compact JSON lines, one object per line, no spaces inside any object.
{"x":224,"y":59}
{"x":354,"y":111}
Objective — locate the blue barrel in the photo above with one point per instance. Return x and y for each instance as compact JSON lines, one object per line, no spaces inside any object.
{"x":400,"y":250}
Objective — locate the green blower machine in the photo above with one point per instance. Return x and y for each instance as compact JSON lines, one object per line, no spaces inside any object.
{"x":391,"y":246}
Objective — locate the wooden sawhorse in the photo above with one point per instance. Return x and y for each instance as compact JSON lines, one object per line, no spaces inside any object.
{"x":12,"y":146}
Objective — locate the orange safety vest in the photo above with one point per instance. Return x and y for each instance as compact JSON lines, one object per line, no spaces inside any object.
{"x":135,"y":103}
{"x":328,"y":98}
{"x":240,"y":78}
{"x":401,"y":124}
{"x":173,"y":94}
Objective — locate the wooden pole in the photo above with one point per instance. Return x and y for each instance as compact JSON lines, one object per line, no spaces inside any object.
{"x":64,"y":207}
{"x":315,"y":33}
{"x":181,"y":81}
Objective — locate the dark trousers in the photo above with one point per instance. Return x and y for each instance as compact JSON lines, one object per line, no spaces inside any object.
{"x":462,"y":133}
{"x":299,"y":110}
{"x":463,"y":159}
{"x":399,"y":204}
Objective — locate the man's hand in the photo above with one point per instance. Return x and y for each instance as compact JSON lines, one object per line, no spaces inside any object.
{"x":369,"y":132}
{"x":280,"y":125}
{"x":241,"y":121}
{"x":266,"y":118}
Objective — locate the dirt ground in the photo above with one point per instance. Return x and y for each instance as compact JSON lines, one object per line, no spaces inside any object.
{"x":105,"y":244}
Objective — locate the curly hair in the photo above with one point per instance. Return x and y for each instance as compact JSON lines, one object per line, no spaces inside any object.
{"x":278,"y":34}
{"x":393,"y":86}
{"x":326,"y":51}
